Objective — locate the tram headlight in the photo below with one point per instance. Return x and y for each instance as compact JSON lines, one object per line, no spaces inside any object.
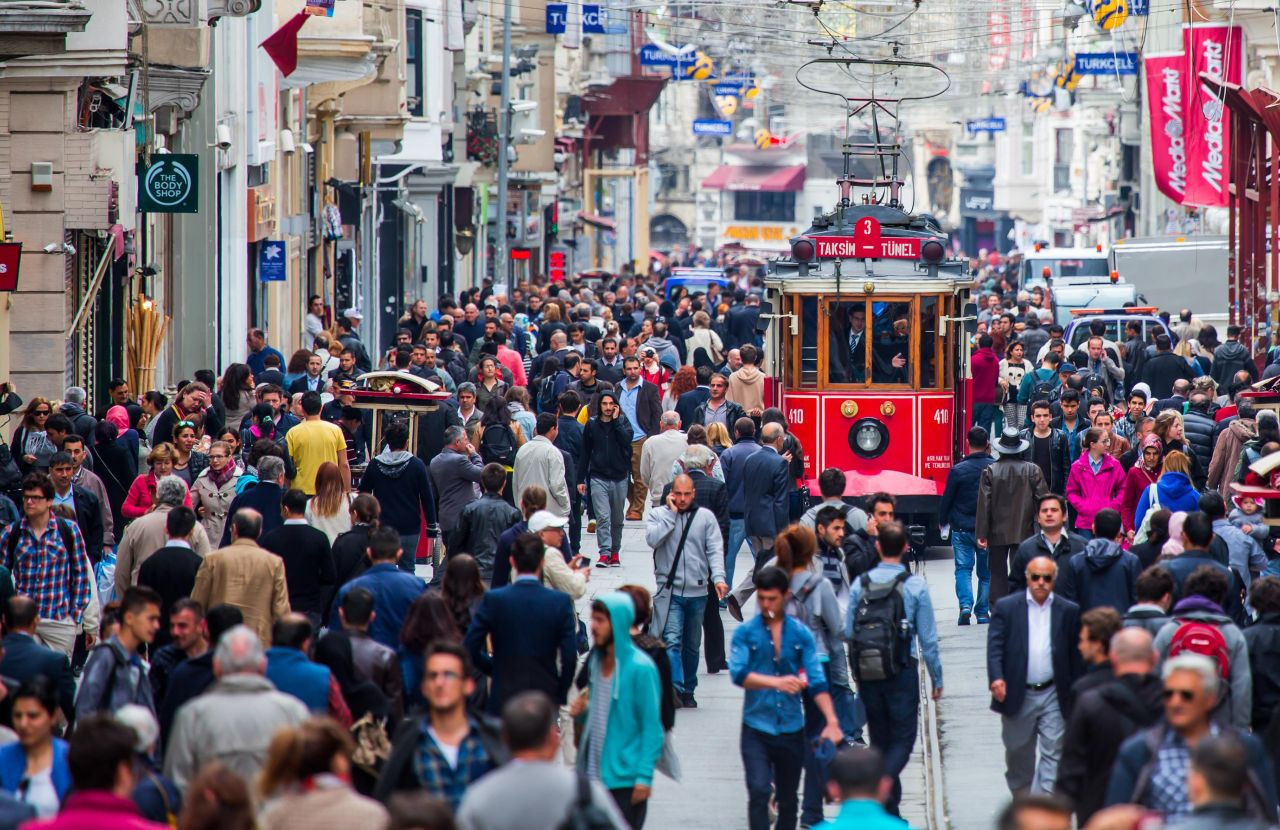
{"x":868,"y":438}
{"x":802,"y":249}
{"x":933,"y":251}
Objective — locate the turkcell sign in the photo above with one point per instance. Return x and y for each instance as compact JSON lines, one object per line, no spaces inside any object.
{"x":985,"y":125}
{"x":595,"y":19}
{"x":708,"y":126}
{"x":880,"y":247}
{"x":651,"y":55}
{"x":557,"y":18}
{"x":1107,"y":63}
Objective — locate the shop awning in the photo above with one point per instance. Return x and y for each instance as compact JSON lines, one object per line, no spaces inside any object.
{"x":766,"y":179}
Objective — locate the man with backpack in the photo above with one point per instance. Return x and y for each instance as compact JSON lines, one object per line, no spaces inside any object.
{"x":114,"y":675}
{"x":1040,"y":384}
{"x":1200,"y":626}
{"x":1197,"y":536}
{"x":890,"y":621}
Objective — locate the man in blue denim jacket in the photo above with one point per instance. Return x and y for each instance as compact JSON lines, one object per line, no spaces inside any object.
{"x":893,"y":704}
{"x":774,"y":658}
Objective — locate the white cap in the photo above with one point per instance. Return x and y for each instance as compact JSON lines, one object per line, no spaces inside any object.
{"x":353,"y":314}
{"x":544,"y":519}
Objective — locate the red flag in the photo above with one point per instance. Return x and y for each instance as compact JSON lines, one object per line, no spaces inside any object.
{"x":1217,"y":51}
{"x":1167,"y":92}
{"x":282,"y":45}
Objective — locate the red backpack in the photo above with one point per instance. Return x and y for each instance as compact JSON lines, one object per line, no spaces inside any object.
{"x":1201,"y":638}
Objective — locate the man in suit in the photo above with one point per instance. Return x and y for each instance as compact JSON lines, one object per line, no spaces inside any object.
{"x":533,"y":630}
{"x":171,"y":571}
{"x":309,"y":571}
{"x":24,"y":657}
{"x":246,"y":576}
{"x":314,"y":380}
{"x":642,"y":405}
{"x":766,"y":491}
{"x":263,"y":498}
{"x":691,"y":400}
{"x":1032,"y":662}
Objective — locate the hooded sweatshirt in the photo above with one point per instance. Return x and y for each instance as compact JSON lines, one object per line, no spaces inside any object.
{"x":746,"y":388}
{"x":402,"y":485}
{"x":664,"y":347}
{"x":1195,"y":608}
{"x":1101,"y":575}
{"x":633,"y":738}
{"x":1175,"y":493}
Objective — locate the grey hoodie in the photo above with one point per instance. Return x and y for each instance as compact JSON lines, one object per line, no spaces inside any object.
{"x":393,"y":462}
{"x":663,"y":346}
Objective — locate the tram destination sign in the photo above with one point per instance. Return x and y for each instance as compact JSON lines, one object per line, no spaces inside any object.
{"x":170,"y":184}
{"x":866,"y":247}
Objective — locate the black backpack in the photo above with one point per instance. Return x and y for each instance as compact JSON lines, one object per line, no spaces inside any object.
{"x":547,"y":395}
{"x":583,"y":813}
{"x":1044,"y":390}
{"x":881,"y":636}
{"x":498,"y":445}
{"x":64,"y":530}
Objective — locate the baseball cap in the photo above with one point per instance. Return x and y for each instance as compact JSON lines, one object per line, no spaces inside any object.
{"x":353,"y":314}
{"x":544,"y":519}
{"x":1069,"y":368}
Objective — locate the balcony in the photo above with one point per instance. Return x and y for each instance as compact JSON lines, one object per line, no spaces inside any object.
{"x":39,"y":28}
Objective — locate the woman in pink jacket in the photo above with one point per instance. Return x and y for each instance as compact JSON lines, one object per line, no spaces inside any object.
{"x":1095,"y":480}
{"x":142,"y":492}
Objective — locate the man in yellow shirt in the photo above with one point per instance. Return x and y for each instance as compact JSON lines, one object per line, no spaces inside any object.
{"x":313,"y":442}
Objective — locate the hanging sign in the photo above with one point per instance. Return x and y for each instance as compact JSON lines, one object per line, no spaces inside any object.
{"x":985,"y":125}
{"x":557,"y":18}
{"x":866,"y":243}
{"x":319,"y":8}
{"x":707,"y":126}
{"x":271,"y":259}
{"x":1110,"y":15}
{"x":10,"y":259}
{"x":1166,"y":101}
{"x":595,"y":20}
{"x":1106,"y":63}
{"x":170,"y":184}
{"x":651,"y":55}
{"x":1218,"y":52}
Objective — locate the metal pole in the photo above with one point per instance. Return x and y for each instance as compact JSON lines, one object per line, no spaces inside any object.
{"x":501,"y":265}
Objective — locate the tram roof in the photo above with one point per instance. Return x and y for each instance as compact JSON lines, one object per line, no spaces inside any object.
{"x":885,"y":275}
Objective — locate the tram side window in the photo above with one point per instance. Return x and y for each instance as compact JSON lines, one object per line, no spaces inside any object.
{"x":929,"y":342}
{"x":809,"y":341}
{"x":891,"y":342}
{"x":847,"y":343}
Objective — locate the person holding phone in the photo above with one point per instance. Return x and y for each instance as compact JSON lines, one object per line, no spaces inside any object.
{"x":570,"y":576}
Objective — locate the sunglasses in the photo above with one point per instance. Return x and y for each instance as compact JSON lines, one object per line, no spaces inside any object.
{"x":42,"y":412}
{"x":185,"y":424}
{"x":1184,"y":695}
{"x":1040,"y":577}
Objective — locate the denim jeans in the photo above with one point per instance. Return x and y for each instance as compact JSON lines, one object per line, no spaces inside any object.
{"x":409,"y":544}
{"x":772,"y":765}
{"x":849,"y":711}
{"x":963,"y":544}
{"x":893,"y":707}
{"x":737,"y":535}
{"x":609,"y":500}
{"x":815,"y":773}
{"x":683,"y":636}
{"x":987,"y":416}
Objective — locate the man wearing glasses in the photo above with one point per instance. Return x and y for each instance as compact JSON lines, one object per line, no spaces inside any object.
{"x":1032,"y":662}
{"x":50,"y":565}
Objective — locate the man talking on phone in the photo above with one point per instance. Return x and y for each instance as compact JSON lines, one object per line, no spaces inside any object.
{"x":688,"y":554}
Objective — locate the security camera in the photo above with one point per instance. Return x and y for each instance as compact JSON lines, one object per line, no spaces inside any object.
{"x":286,"y":142}
{"x":60,"y":248}
{"x":222,"y":137}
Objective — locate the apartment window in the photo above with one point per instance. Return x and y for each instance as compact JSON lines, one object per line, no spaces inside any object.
{"x":413,"y":91}
{"x":764,"y":207}
{"x":1063,"y":149}
{"x":1028,"y":149}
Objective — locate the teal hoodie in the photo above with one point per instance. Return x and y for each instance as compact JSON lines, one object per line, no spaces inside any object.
{"x":633,"y":740}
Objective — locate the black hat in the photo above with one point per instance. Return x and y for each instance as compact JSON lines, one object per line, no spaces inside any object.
{"x":1011,"y":442}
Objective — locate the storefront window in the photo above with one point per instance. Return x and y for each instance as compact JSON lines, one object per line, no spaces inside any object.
{"x":758,"y":206}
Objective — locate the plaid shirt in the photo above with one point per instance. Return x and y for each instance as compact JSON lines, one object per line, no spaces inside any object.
{"x":1169,"y":778}
{"x":440,"y":779}
{"x":43,"y":569}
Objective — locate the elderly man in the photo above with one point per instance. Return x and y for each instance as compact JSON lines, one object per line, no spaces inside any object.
{"x":148,"y":534}
{"x":245,"y":576}
{"x":235,"y":720}
{"x":659,"y":453}
{"x":455,"y":472}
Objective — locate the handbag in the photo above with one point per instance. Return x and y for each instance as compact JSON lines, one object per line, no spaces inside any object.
{"x":662,"y":596}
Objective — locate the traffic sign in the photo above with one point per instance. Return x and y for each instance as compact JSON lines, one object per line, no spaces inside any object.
{"x":271,"y":259}
{"x":170,"y":184}
{"x":985,"y":125}
{"x":707,"y":126}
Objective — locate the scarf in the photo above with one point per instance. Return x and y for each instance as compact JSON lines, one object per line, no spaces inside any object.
{"x":1151,"y":440}
{"x":220,"y":478}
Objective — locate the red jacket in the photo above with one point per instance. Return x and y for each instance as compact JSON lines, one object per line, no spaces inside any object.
{"x":985,"y":367}
{"x":142,"y":495}
{"x":94,"y":810}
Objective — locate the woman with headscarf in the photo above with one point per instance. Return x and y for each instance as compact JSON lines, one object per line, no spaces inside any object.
{"x":128,"y":436}
{"x":1145,"y":472}
{"x":1173,"y":545}
{"x":116,"y":467}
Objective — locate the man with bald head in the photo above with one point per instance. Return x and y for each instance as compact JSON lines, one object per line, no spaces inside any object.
{"x":1103,"y":717}
{"x":766,"y":492}
{"x":681,"y":572}
{"x":1032,"y":663}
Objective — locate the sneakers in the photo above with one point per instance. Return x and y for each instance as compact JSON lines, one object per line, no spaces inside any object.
{"x":614,"y":561}
{"x":687,"y":701}
{"x":964,"y":617}
{"x":983,"y":620}
{"x":603,"y":561}
{"x":591,"y":526}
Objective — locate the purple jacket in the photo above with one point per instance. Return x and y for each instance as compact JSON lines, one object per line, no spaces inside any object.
{"x":1089,"y":492}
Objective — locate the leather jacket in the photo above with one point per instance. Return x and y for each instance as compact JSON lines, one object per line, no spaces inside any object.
{"x":1059,"y":457}
{"x":380,"y":666}
{"x":481,"y":523}
{"x":1007,"y":496}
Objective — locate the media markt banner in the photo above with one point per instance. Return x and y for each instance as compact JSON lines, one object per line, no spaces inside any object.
{"x":1166,"y":105}
{"x":170,"y":184}
{"x":1217,"y":51}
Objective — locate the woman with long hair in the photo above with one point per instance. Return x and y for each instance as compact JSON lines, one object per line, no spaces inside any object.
{"x":236,"y":392}
{"x":718,"y":437}
{"x":142,"y":493}
{"x":188,"y":462}
{"x":702,"y":336}
{"x":232,"y":438}
{"x":1172,"y":431}
{"x":429,"y":619}
{"x":517,"y":399}
{"x":217,"y":799}
{"x":297,"y":367}
{"x":31,"y":446}
{"x":330,"y":509}
{"x":306,"y":781}
{"x":349,"y":549}
{"x":1173,"y":491}
{"x":685,"y":380}
{"x":1013,"y":367}
{"x":462,"y":588}
{"x":34,"y":769}
{"x":215,"y":488}
{"x":489,"y":382}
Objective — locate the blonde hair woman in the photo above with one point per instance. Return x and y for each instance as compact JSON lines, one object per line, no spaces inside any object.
{"x":330,"y":509}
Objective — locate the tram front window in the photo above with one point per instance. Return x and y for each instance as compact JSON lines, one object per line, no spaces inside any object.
{"x":891,"y":335}
{"x":847,"y":355}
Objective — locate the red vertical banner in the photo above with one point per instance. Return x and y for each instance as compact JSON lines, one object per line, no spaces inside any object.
{"x":1028,"y":24}
{"x":1218,"y":52}
{"x":1167,"y":90}
{"x":998,"y":40}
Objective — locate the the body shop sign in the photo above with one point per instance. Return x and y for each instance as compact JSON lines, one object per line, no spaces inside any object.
{"x":170,"y":184}
{"x":1217,"y":51}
